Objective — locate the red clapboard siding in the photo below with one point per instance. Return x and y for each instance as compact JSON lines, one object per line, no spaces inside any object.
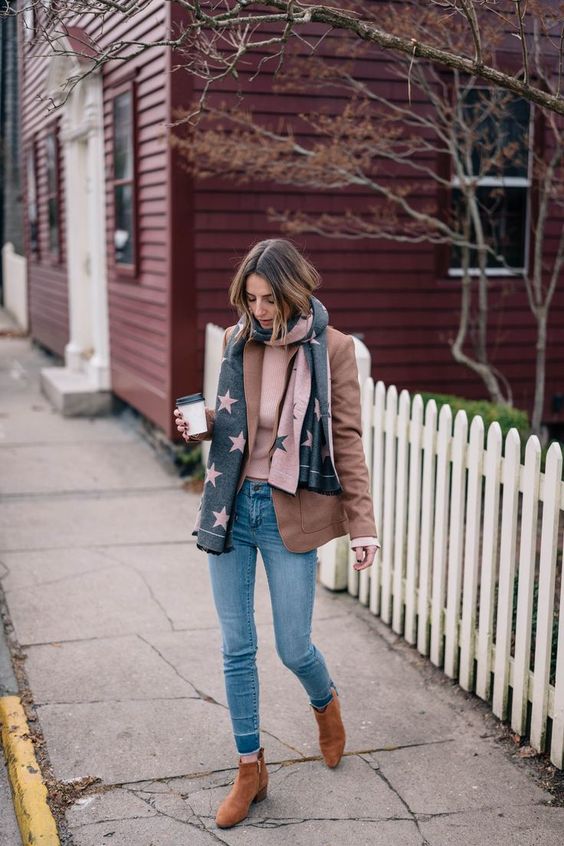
{"x":192,"y":234}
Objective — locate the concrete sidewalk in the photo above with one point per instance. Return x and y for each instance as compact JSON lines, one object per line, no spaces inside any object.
{"x":110,"y":603}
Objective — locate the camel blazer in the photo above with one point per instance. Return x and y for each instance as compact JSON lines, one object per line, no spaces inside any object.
{"x":308,"y":520}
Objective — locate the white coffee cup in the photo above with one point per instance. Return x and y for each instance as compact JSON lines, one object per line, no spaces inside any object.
{"x":193,"y":411}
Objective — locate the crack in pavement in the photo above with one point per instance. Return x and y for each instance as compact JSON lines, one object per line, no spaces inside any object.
{"x":159,"y":812}
{"x":200,"y":693}
{"x":157,"y":601}
{"x":105,"y":701}
{"x":377,"y":771}
{"x":141,"y":575}
{"x":283,"y":822}
{"x":112,"y":819}
{"x":59,"y":579}
{"x":273,"y":767}
{"x":83,"y":639}
{"x":267,"y":822}
{"x":207,"y":698}
{"x":204,"y":826}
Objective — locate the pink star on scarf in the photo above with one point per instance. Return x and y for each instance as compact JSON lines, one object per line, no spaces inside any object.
{"x":325,"y":452}
{"x":238,"y":442}
{"x":309,"y":440}
{"x":212,"y":474}
{"x":226,"y":402}
{"x":317,"y":409}
{"x":221,"y":518}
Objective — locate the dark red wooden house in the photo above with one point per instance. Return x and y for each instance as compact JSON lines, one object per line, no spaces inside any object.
{"x":129,"y":257}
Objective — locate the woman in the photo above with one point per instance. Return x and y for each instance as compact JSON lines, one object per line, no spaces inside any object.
{"x":286,"y":473}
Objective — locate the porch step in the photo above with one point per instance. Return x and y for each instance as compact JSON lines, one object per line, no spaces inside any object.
{"x":73,"y":395}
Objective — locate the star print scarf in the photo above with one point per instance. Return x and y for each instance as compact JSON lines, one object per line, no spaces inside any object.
{"x":302,"y":454}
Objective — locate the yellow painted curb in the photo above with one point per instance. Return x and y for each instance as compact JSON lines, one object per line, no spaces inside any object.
{"x":35,"y":820}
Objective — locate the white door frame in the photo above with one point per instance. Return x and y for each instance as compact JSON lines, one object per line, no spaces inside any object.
{"x":82,"y":138}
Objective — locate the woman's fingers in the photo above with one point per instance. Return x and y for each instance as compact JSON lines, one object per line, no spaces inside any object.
{"x":181,"y":425}
{"x":364,"y":557}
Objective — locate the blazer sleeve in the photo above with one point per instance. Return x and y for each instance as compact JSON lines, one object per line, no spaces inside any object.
{"x":350,"y":462}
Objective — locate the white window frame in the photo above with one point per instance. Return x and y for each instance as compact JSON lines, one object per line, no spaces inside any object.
{"x":506,"y":182}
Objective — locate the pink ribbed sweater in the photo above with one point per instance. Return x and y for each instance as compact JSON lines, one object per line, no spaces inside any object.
{"x":274,"y":365}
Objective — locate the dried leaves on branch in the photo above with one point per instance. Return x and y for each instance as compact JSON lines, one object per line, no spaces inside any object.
{"x":428,"y":155}
{"x":214,"y":37}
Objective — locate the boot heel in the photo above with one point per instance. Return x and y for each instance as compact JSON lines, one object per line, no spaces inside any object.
{"x":260,"y":795}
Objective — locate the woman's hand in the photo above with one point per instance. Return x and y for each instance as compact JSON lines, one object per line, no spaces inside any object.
{"x":183,"y":426}
{"x":364,"y":556}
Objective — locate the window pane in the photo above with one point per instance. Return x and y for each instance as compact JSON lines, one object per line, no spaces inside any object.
{"x":123,"y":136}
{"x":123,"y":234}
{"x":515,"y":131}
{"x":32,"y":201}
{"x":497,"y":127}
{"x":51,"y":150}
{"x":52,"y":191}
{"x":503,"y":212}
{"x":53,"y":216}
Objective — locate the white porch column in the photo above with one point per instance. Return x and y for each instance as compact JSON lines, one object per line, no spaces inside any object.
{"x":99,"y":363}
{"x":79,"y":346}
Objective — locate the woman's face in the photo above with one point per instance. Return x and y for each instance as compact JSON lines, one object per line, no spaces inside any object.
{"x":260,"y":299}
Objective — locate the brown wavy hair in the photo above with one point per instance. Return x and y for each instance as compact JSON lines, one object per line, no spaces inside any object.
{"x":291,"y":277}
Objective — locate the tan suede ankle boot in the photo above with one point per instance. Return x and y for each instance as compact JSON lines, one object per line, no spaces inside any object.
{"x":249,"y":786}
{"x":331,"y":731}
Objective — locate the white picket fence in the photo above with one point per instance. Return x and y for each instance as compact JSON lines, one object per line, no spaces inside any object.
{"x":471,"y":553}
{"x":470,"y":541}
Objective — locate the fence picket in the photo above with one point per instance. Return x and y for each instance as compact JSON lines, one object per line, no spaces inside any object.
{"x":440,"y":535}
{"x":488,"y":566}
{"x":557,"y":742}
{"x":391,"y":415}
{"x":377,"y":487}
{"x":471,"y":553}
{"x":545,"y":605}
{"x":427,"y":526}
{"x":367,"y":440}
{"x":413,"y":518}
{"x":455,"y":543}
{"x":526,"y":578}
{"x":402,"y":435}
{"x":504,"y":611}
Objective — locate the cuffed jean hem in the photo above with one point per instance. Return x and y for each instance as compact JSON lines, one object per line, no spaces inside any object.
{"x":254,"y":752}
{"x":321,"y":703}
{"x":247,"y":744}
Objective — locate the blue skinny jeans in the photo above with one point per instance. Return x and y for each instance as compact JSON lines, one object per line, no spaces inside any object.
{"x":291,"y":581}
